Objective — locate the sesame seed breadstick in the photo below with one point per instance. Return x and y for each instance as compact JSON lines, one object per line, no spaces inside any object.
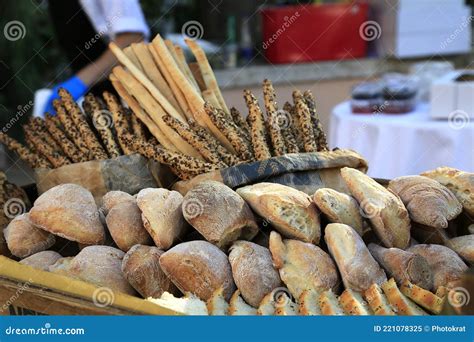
{"x":79,"y":120}
{"x":138,"y":127}
{"x":200,"y":144}
{"x":293,"y":126}
{"x":34,"y":160}
{"x":71,"y":129}
{"x":54,"y":157}
{"x":37,"y":124}
{"x":273,"y":123}
{"x":239,"y":121}
{"x":257,"y":127}
{"x":319,"y":134}
{"x":304,"y":122}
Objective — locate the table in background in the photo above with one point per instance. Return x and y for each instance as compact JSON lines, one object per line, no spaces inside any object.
{"x":405,"y":144}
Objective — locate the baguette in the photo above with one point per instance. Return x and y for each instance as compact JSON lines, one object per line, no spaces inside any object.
{"x":422,"y":297}
{"x":402,"y":305}
{"x":378,"y":302}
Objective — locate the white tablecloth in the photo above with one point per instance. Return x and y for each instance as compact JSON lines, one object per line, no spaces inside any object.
{"x":406,"y":144}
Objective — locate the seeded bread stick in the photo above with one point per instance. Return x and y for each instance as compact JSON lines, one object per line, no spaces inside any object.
{"x":184,"y":66}
{"x":228,"y":158}
{"x":319,"y":134}
{"x":293,"y":125}
{"x":37,"y":124}
{"x":239,"y":121}
{"x":273,"y":119}
{"x":55,"y":158}
{"x":71,"y":150}
{"x":79,"y":120}
{"x":194,"y":67}
{"x":304,"y":122}
{"x":201,"y":145}
{"x":71,"y":129}
{"x":138,"y":128}
{"x":34,"y":160}
{"x":229,"y":129}
{"x":257,"y":127}
{"x":181,"y":174}
{"x":103,"y":122}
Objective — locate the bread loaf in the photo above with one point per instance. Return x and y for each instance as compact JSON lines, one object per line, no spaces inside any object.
{"x":198,"y":267}
{"x":24,"y":239}
{"x":402,"y":305}
{"x":446,"y":265}
{"x":403,"y":265}
{"x":463,"y":246}
{"x":427,"y":201}
{"x":69,"y":210}
{"x":459,"y":182}
{"x":339,"y":208}
{"x":288,"y":210}
{"x":378,"y":302}
{"x":219,"y":214}
{"x":253,"y":271}
{"x":42,"y":260}
{"x":385,"y":210}
{"x":125,"y":225}
{"x":358,"y":268}
{"x":302,"y":265}
{"x":141,"y":268}
{"x":162,"y":216}
{"x":61,"y":266}
{"x":110,"y":199}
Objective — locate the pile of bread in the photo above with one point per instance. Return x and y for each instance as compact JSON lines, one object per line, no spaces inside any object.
{"x":262,"y":249}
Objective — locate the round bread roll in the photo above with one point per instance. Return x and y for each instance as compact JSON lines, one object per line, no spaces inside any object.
{"x":101,"y":266}
{"x":219,"y":214}
{"x":464,"y":246}
{"x":141,"y":267}
{"x":198,"y":267}
{"x":24,"y":239}
{"x":42,"y":260}
{"x":61,"y":266}
{"x":125,"y":225}
{"x":162,"y":215}
{"x":69,"y":210}
{"x":253,"y":271}
{"x":110,"y":199}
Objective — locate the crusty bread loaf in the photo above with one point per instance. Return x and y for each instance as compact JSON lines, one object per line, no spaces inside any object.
{"x":219,"y":214}
{"x":302,"y":265}
{"x":24,"y":239}
{"x":253,"y":271}
{"x":309,"y":303}
{"x":459,"y":182}
{"x":427,"y":201}
{"x":329,"y":304}
{"x":384,"y":209}
{"x":358,"y":268}
{"x":446,"y":265}
{"x":217,"y":305}
{"x":238,"y":307}
{"x":426,"y":299}
{"x":125,"y":225}
{"x":141,"y":268}
{"x":162,"y":216}
{"x":69,"y":210}
{"x":353,"y":304}
{"x":101,"y":266}
{"x":284,"y":306}
{"x":403,"y":265}
{"x":61,"y":266}
{"x":198,"y":267}
{"x":431,"y":235}
{"x":42,"y":260}
{"x":464,"y":246}
{"x":378,"y":302}
{"x":110,"y":199}
{"x":401,"y":304}
{"x":188,"y":305}
{"x":290,"y":211}
{"x":339,"y":208}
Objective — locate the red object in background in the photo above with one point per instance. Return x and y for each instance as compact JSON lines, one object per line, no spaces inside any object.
{"x":306,"y":33}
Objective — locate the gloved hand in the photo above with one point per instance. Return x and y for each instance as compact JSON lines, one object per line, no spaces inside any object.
{"x":74,"y":85}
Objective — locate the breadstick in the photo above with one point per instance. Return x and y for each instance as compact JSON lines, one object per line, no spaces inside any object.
{"x":206,"y":71}
{"x":257,"y":127}
{"x":55,"y":158}
{"x":78,"y":118}
{"x":71,"y":150}
{"x":194,"y":140}
{"x":103,"y":122}
{"x":138,"y":127}
{"x":37,"y":124}
{"x":304,"y":122}
{"x":229,"y":129}
{"x":273,"y":118}
{"x":239,"y":121}
{"x":319,"y":134}
{"x":209,"y":96}
{"x":184,"y":66}
{"x":71,"y":129}
{"x":293,"y":129}
{"x":196,"y":71}
{"x":154,"y":74}
{"x":130,"y":53}
{"x":32,"y":159}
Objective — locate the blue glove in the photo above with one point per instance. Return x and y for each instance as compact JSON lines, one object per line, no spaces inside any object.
{"x":74,"y":85}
